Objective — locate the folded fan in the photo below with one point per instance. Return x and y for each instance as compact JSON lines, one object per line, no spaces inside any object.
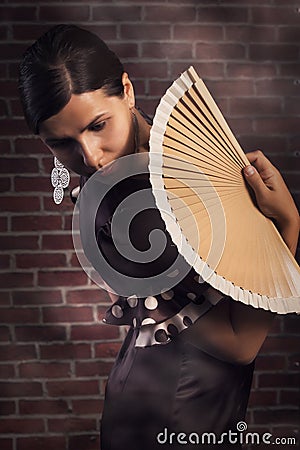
{"x":196,"y":175}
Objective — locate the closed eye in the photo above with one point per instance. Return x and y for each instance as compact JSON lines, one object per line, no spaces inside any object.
{"x":62,"y":143}
{"x":96,"y":127}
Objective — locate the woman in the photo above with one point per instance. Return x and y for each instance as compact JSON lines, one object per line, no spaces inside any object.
{"x":78,"y":99}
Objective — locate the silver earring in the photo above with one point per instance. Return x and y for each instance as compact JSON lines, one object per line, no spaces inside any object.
{"x":60,"y":179}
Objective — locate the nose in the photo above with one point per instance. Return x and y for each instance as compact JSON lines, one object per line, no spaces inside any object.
{"x":91,"y":153}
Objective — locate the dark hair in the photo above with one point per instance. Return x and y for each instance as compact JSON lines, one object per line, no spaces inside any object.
{"x":65,"y":60}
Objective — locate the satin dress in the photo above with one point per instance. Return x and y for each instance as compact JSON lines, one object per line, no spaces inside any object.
{"x":162,"y":392}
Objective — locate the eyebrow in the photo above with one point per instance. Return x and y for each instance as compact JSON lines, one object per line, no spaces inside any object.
{"x":52,"y":140}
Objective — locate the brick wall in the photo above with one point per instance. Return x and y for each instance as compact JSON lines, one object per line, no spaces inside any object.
{"x":55,"y":353}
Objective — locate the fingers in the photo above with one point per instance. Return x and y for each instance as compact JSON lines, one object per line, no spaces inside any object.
{"x":255,"y":181}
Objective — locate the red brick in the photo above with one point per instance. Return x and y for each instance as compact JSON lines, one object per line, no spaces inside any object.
{"x":232,"y":88}
{"x":86,"y":442}
{"x":288,"y":162}
{"x":279,"y":380}
{"x":278,"y":52}
{"x":8,"y":88}
{"x":291,"y":322}
{"x":40,"y":260}
{"x":274,"y":416}
{"x":246,"y":34}
{"x":294,"y":362}
{"x":170,"y":13}
{"x":10,"y":52}
{"x":289,"y":34}
{"x":65,"y":206}
{"x":67,"y":314}
{"x":262,"y":398}
{"x":250,"y":70}
{"x":4,"y":146}
{"x":292,"y":106}
{"x":72,"y":388}
{"x":194,"y":32}
{"x":5,"y":184}
{"x":7,"y":408}
{"x":275,"y":15}
{"x":16,"y":108}
{"x":13,"y":352}
{"x":255,"y":106}
{"x":30,"y":145}
{"x":21,"y":426}
{"x":4,"y":334}
{"x":4,"y":261}
{"x":92,"y":368}
{"x":71,"y":424}
{"x":278,"y":125}
{"x":137,"y":70}
{"x":146,"y":32}
{"x":87,"y":296}
{"x":167,"y":50}
{"x":65,"y":351}
{"x":74,"y":261}
{"x":211,"y":70}
{"x":94,"y":332}
{"x":116,"y":13}
{"x":62,"y":278}
{"x":125,"y":49}
{"x":28,"y":32}
{"x":107,"y":349}
{"x":11,"y":165}
{"x":57,"y":241}
{"x":86,"y":406}
{"x":18,"y":242}
{"x":42,"y":333}
{"x":290,"y":397}
{"x":38,"y":443}
{"x":44,"y":370}
{"x":55,"y":13}
{"x":220,"y":51}
{"x":3,"y":224}
{"x":11,"y":280}
{"x":20,"y":389}
{"x":289,"y":69}
{"x":19,"y":315}
{"x":7,"y":371}
{"x":3,"y":108}
{"x":39,"y":297}
{"x":104,"y":31}
{"x":47,"y":407}
{"x":6,"y":443}
{"x":17,"y":13}
{"x":28,"y":184}
{"x":270,"y":362}
{"x":19,"y":204}
{"x":224,"y":14}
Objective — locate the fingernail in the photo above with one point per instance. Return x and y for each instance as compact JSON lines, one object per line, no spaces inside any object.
{"x":249,"y":170}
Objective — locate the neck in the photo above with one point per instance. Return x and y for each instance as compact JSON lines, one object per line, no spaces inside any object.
{"x":144,"y":133}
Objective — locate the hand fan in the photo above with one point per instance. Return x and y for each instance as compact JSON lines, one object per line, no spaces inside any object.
{"x":195,"y":165}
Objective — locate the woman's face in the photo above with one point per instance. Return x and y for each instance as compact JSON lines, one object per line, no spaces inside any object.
{"x":92,"y":130}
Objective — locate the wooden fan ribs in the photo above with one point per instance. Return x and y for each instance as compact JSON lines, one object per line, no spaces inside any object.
{"x":198,"y":179}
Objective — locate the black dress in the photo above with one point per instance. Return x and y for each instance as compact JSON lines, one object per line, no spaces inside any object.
{"x":162,"y":391}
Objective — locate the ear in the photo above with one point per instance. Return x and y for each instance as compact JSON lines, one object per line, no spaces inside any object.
{"x":128,"y":90}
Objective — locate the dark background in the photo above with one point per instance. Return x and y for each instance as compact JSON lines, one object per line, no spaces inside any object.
{"x":55,"y":353}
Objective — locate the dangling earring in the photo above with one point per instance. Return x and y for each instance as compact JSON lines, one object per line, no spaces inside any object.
{"x":136,"y":132}
{"x":60,"y":179}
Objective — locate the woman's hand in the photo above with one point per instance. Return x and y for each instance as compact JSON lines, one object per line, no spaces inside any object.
{"x":273,"y":197}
